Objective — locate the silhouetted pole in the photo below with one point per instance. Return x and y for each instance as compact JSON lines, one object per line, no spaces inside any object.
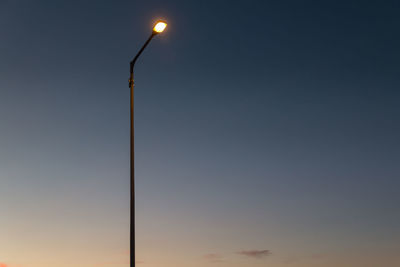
{"x":158,"y":28}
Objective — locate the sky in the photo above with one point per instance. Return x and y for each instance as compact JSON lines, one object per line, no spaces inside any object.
{"x":267,"y":133}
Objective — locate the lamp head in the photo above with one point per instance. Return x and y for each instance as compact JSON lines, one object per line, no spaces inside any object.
{"x":159,"y":27}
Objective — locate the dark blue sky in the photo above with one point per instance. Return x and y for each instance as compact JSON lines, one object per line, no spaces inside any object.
{"x":256,"y":121}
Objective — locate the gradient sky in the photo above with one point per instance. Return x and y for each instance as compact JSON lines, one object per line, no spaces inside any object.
{"x":267,"y":133}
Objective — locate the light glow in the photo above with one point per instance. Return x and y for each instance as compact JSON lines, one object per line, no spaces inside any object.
{"x":159,"y":27}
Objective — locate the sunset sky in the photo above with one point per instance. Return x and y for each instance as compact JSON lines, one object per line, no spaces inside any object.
{"x":267,"y":133}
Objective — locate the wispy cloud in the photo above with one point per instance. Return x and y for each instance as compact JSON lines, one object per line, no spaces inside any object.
{"x":113,"y":263}
{"x":255,"y":253}
{"x":290,"y":260}
{"x":312,"y":257}
{"x":3,"y":265}
{"x":318,"y":256}
{"x":213,"y":257}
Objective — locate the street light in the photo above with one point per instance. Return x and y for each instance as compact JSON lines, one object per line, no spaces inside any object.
{"x":159,"y":27}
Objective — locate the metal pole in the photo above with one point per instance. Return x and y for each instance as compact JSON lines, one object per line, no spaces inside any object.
{"x":132,"y":156}
{"x":132,"y":151}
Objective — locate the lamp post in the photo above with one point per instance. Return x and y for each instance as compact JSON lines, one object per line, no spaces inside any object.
{"x":158,"y":28}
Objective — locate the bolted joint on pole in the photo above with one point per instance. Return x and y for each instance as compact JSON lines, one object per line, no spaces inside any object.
{"x":131,"y":74}
{"x":131,"y":82}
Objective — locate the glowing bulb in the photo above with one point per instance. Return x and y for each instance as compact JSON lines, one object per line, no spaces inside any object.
{"x":159,"y":27}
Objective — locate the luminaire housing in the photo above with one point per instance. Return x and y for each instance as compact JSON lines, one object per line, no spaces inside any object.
{"x":159,"y":26}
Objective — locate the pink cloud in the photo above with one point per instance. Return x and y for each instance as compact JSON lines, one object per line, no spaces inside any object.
{"x":3,"y":265}
{"x":255,"y":253}
{"x":290,"y":260}
{"x":213,"y":257}
{"x":318,"y":256}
